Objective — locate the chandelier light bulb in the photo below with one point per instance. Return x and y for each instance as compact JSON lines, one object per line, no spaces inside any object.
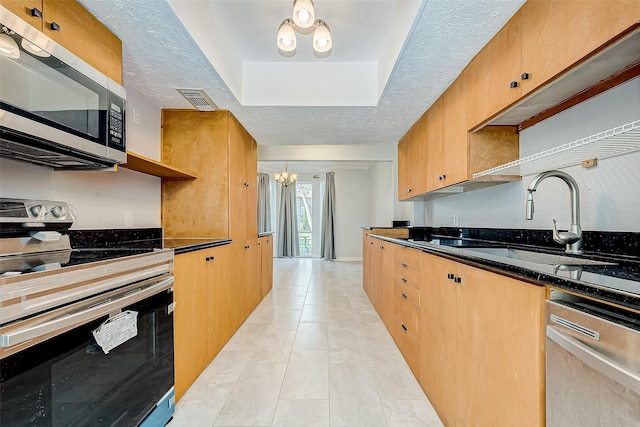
{"x":286,"y":39}
{"x":303,"y":13}
{"x":322,"y":38}
{"x":9,"y":47}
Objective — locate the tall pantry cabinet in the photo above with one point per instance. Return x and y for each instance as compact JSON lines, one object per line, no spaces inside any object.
{"x":222,"y":201}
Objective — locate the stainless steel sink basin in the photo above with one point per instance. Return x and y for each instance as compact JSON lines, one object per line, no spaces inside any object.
{"x":537,"y":257}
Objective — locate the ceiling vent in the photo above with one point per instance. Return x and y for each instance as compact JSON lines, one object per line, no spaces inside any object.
{"x":199,"y":99}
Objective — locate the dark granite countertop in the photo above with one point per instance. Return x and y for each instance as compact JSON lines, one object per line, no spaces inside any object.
{"x":617,"y":283}
{"x":181,"y":246}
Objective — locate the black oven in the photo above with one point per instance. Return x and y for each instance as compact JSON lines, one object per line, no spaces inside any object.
{"x":55,"y":109}
{"x":53,"y":372}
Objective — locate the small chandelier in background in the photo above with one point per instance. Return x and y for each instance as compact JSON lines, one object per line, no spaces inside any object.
{"x":285,"y":178}
{"x":304,"y":22}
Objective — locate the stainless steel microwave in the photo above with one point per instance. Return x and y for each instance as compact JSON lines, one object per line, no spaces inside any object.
{"x":55,"y":109}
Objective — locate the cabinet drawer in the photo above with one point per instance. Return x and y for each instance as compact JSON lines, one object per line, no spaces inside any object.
{"x":408,"y":256}
{"x":407,"y":313}
{"x":406,"y":289}
{"x":408,"y":346}
{"x":408,"y":273}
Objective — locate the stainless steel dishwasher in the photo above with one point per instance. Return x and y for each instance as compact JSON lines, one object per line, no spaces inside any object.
{"x":592,"y":363}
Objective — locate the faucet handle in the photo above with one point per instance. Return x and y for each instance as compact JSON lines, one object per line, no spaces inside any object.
{"x":564,"y":237}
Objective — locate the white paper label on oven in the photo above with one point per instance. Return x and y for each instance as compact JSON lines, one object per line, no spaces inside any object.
{"x":116,"y":330}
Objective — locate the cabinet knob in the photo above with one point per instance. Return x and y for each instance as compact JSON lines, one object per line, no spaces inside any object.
{"x":404,"y":296}
{"x":408,"y":190}
{"x":450,"y":276}
{"x":381,"y":247}
{"x":404,"y":280}
{"x":246,"y":184}
{"x":209,"y":258}
{"x":54,"y":26}
{"x":403,"y":264}
{"x":36,"y":12}
{"x":513,"y":84}
{"x":247,"y":246}
{"x":524,"y":76}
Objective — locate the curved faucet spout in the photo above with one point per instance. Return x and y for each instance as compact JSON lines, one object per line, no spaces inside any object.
{"x":572,"y":238}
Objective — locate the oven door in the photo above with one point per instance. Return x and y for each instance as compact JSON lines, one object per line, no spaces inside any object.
{"x":593,"y":368}
{"x":68,"y":380}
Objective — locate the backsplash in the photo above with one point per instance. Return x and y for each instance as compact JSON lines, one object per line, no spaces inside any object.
{"x":612,"y":243}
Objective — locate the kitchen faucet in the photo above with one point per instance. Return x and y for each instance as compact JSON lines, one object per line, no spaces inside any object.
{"x":572,"y":238}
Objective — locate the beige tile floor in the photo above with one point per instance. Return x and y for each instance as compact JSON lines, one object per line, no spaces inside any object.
{"x":313,"y":353}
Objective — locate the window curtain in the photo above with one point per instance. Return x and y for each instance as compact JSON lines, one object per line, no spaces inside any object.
{"x":288,"y":223}
{"x":327,"y":244}
{"x":264,"y":203}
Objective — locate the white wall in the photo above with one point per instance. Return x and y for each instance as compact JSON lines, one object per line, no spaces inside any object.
{"x":100,"y":198}
{"x":381,"y":189}
{"x":352,"y":212}
{"x":610,"y":192}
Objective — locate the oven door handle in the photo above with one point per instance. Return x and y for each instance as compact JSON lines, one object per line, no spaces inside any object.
{"x":596,"y":360}
{"x":69,"y":321}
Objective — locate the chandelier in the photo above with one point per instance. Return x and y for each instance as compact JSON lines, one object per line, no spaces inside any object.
{"x":285,"y":178}
{"x":304,"y":22}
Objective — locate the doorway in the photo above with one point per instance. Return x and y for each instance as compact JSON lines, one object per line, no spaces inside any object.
{"x":304,"y":208}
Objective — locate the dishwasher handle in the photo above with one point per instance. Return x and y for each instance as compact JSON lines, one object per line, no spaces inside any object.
{"x":94,"y":311}
{"x":596,"y":360}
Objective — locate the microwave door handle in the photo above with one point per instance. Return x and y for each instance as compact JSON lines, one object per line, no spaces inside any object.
{"x":596,"y":360}
{"x":93,"y":312}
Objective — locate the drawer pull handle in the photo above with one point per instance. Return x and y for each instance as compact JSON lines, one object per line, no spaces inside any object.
{"x":404,"y":265}
{"x":450,"y":276}
{"x":36,"y":12}
{"x":457,"y":280}
{"x":247,"y":246}
{"x":404,"y":296}
{"x":524,"y":76}
{"x":403,"y":280}
{"x":404,"y":327}
{"x":513,"y":84}
{"x":54,"y":26}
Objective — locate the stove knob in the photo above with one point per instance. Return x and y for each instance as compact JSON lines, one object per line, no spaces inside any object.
{"x":36,"y":210}
{"x":59,"y":211}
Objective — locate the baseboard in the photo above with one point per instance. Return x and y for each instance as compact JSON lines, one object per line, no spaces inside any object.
{"x":349,"y":259}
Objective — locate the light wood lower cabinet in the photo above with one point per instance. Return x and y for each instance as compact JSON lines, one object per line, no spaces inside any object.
{"x":382,"y":279}
{"x":481,"y":342}
{"x":193,"y":273}
{"x":215,"y":291}
{"x":266,"y":259}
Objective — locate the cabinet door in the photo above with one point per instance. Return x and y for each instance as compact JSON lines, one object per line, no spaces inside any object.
{"x":191,"y":318}
{"x":252,"y":282}
{"x":251,"y":191}
{"x":266,"y":256}
{"x":503,"y":67}
{"x":81,"y":33}
{"x":456,"y":125}
{"x":386,"y":283}
{"x":222,"y":323}
{"x":404,"y":169}
{"x":243,"y":178}
{"x":438,"y":332}
{"x":500,"y":354}
{"x":435,"y":145}
{"x":23,"y":8}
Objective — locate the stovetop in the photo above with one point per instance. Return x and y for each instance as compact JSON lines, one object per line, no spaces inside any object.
{"x":43,"y":261}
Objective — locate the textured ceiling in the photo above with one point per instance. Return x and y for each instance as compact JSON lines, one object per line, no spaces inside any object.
{"x":161,"y":55}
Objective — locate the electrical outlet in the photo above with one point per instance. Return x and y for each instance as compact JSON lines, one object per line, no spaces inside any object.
{"x":135,"y":116}
{"x":128,"y":219}
{"x":456,"y":220}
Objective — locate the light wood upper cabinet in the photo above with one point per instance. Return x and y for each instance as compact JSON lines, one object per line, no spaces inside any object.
{"x":412,"y":161}
{"x":481,"y":343}
{"x":222,"y":201}
{"x":67,"y":22}
{"x":558,"y":34}
{"x":24,"y":9}
{"x":435,"y":145}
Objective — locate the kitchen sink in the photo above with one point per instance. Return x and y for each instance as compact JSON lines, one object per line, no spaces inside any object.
{"x":537,"y":257}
